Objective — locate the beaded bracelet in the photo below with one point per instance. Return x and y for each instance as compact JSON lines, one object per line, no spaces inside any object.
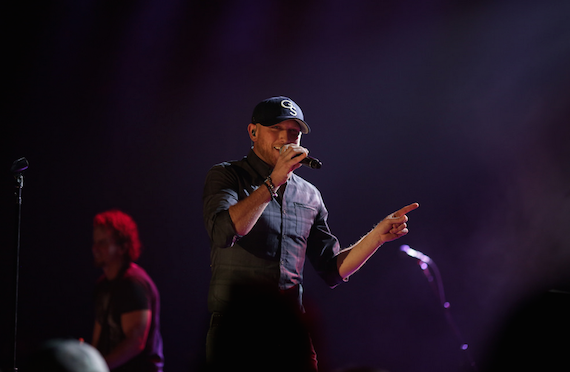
{"x":269,"y":183}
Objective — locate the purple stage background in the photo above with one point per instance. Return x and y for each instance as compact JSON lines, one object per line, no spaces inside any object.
{"x":462,"y":106}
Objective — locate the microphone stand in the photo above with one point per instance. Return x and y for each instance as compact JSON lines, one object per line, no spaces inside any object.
{"x":436,"y":284}
{"x":18,"y":167}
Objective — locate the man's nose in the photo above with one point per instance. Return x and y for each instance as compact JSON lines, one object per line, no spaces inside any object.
{"x":283,"y":135}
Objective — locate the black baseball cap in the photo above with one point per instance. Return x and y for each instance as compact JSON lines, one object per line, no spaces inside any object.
{"x":274,"y":110}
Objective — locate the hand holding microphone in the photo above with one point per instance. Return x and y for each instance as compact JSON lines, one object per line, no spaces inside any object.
{"x":287,"y":163}
{"x":310,"y":162}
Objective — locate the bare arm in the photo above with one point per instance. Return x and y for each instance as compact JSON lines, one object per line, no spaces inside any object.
{"x":96,"y":334}
{"x":246,"y":212}
{"x":136,"y":326}
{"x":390,"y":228}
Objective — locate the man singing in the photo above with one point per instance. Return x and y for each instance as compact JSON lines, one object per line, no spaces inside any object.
{"x":263,"y":222}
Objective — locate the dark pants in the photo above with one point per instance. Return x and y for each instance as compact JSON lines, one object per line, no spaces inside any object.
{"x":256,"y":340}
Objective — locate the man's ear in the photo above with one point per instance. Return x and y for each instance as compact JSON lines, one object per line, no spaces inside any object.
{"x":252,"y":130}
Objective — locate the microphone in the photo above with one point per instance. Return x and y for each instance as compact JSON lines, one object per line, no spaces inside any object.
{"x":19,"y":165}
{"x":17,"y":169}
{"x":310,"y":162}
{"x":415,"y":254}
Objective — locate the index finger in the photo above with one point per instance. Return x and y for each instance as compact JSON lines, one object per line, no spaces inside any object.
{"x":406,"y":209}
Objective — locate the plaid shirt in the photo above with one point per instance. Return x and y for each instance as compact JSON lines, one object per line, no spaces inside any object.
{"x":293,"y":226}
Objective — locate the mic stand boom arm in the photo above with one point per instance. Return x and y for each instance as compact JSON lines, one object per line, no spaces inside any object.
{"x":436,"y":284}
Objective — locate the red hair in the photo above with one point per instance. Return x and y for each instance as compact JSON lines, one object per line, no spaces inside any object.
{"x":124,"y":230}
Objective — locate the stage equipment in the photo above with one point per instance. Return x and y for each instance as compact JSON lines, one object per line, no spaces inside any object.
{"x":17,"y":169}
{"x":436,"y":283}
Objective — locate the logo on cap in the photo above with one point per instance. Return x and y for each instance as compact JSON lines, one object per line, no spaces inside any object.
{"x":289,"y":105}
